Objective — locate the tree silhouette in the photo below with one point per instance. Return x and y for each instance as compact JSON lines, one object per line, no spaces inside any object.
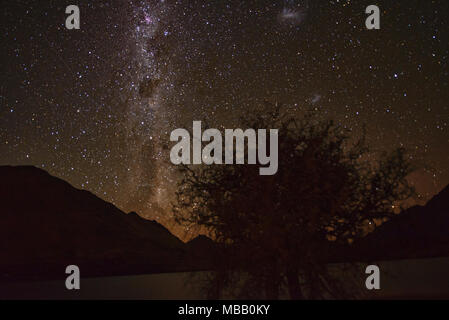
{"x":279,"y":231}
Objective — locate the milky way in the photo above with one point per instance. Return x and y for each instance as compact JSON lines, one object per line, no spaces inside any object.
{"x":96,"y":106}
{"x":145,"y":115}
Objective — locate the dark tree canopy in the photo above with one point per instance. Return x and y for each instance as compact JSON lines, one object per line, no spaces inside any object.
{"x":278,"y":231}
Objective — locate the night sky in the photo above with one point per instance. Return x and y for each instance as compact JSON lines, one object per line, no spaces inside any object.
{"x":96,"y":106}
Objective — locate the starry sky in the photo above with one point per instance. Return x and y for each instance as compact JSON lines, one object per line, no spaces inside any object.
{"x":96,"y":106}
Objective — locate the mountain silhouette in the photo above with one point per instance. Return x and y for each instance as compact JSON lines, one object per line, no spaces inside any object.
{"x":200,"y":243}
{"x":46,"y":225}
{"x":417,"y":232}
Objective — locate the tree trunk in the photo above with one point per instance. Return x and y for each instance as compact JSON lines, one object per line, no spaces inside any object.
{"x":294,"y":288}
{"x":271,"y":289}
